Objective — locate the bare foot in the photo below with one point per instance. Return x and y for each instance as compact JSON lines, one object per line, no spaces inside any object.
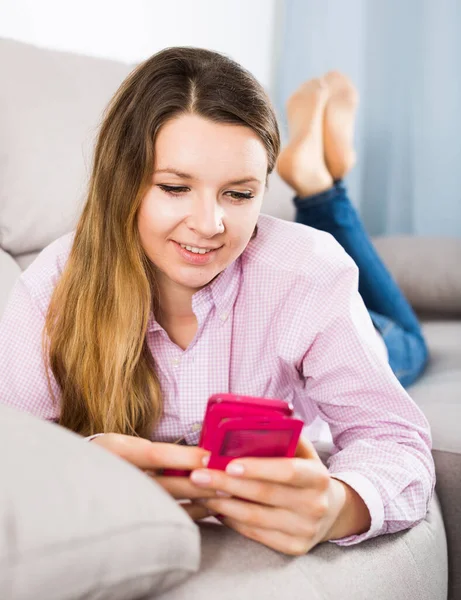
{"x":301,"y":163}
{"x":339,"y":121}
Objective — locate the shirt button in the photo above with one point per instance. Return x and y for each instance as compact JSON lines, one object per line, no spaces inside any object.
{"x":224,"y":316}
{"x":175,"y":362}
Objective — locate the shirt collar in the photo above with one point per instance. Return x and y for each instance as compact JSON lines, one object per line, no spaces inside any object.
{"x":224,"y":289}
{"x":221,"y":292}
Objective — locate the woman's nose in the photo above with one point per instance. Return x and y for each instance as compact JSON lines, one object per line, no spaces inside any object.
{"x":206,"y":219}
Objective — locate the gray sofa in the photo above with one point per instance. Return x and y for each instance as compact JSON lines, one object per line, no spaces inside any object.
{"x":49,"y":110}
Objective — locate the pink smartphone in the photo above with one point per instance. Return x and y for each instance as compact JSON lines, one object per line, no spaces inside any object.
{"x":240,"y":426}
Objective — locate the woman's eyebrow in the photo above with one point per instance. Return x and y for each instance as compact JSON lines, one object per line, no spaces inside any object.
{"x":244,"y":180}
{"x":174,"y":172}
{"x":183,"y":175}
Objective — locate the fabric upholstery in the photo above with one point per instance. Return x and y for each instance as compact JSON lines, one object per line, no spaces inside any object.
{"x":438,"y":391}
{"x":49,"y":113}
{"x":438,"y":394}
{"x":448,"y":467}
{"x":78,"y":522}
{"x":427,"y":269}
{"x":408,"y":566}
{"x":24,"y":260}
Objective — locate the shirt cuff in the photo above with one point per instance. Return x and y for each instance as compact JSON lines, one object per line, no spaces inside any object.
{"x":91,"y":437}
{"x":370,"y":495}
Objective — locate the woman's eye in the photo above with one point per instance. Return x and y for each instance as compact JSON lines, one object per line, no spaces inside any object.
{"x":173,"y":190}
{"x":241,"y":196}
{"x":177,"y":190}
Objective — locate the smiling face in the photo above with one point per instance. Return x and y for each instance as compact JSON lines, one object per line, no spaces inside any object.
{"x":202,"y":207}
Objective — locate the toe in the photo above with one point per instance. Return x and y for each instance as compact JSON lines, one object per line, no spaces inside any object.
{"x":341,"y":86}
{"x":314,"y":91}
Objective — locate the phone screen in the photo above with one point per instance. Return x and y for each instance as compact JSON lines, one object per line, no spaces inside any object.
{"x":256,"y":442}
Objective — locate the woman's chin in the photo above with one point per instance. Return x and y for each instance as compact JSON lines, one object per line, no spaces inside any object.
{"x":198,"y":280}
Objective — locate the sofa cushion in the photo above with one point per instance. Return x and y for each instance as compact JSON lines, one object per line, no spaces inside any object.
{"x":9,"y":272}
{"x":25,"y":260}
{"x":438,"y":394}
{"x":427,"y":270}
{"x":438,"y":391}
{"x":49,"y":112}
{"x":410,"y":565}
{"x":78,"y":522}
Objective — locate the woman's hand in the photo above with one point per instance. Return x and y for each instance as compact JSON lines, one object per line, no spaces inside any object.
{"x":294,"y":503}
{"x":153,"y":457}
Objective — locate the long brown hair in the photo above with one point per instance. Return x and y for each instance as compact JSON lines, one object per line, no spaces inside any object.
{"x":95,"y":330}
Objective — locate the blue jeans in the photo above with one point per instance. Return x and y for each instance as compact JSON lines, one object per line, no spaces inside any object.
{"x":389,"y":310}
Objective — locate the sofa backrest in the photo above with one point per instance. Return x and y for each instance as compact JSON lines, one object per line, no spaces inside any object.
{"x":50,"y":106}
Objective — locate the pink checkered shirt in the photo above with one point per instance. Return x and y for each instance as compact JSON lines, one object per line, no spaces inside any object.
{"x":285,"y":320}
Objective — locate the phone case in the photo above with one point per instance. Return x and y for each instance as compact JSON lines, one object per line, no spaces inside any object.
{"x":222,"y":406}
{"x":236,"y":426}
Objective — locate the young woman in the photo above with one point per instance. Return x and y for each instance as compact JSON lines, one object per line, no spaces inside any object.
{"x":174,"y":287}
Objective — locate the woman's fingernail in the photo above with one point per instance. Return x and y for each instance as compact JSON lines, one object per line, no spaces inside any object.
{"x":200,"y":477}
{"x":234,"y":469}
{"x":205,"y":461}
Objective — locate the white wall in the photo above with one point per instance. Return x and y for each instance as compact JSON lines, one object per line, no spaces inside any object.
{"x":131,"y":30}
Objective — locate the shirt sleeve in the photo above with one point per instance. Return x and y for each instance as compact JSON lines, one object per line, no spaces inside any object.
{"x":382,"y":442}
{"x":23,"y":382}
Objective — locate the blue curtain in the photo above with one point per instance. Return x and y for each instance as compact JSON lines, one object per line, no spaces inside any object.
{"x":405,"y":58}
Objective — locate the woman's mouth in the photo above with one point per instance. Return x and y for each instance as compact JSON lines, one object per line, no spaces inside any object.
{"x":195,"y":255}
